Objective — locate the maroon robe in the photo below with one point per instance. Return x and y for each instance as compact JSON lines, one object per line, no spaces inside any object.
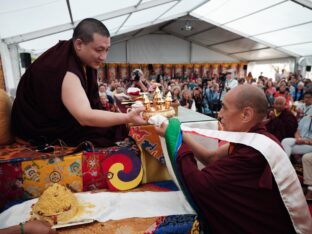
{"x":38,"y":111}
{"x":283,"y":126}
{"x":236,"y":194}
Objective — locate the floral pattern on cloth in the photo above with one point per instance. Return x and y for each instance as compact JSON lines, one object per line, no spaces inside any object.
{"x":174,"y":224}
{"x":40,"y":174}
{"x":148,"y":140}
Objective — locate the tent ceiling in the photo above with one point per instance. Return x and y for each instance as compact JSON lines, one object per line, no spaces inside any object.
{"x":244,"y":29}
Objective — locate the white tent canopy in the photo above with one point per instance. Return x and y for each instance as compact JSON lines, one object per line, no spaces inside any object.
{"x":248,"y":30}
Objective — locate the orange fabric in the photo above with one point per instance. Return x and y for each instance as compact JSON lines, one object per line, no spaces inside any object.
{"x":39,"y":174}
{"x":147,"y":139}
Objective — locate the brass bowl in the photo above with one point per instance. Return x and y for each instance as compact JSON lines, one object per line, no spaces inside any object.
{"x":166,"y":113}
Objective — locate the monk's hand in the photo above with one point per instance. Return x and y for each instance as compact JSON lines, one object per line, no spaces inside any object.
{"x":161,"y":130}
{"x":135,"y":116}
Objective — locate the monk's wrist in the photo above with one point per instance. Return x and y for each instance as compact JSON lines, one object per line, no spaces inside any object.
{"x":126,"y":118}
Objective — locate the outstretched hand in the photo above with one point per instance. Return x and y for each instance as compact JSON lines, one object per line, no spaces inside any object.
{"x":135,"y":116}
{"x":161,"y":130}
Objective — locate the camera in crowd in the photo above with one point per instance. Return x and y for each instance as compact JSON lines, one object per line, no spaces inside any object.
{"x":222,"y":77}
{"x":136,"y":75}
{"x":205,"y":82}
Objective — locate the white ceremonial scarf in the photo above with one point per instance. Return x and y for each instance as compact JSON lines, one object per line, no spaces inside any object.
{"x":282,"y":170}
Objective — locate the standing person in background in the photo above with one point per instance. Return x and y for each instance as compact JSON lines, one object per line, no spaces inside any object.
{"x":249,"y":77}
{"x":230,"y":83}
{"x":67,"y":72}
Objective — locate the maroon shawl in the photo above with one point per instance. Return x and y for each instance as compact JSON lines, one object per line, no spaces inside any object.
{"x":38,"y":111}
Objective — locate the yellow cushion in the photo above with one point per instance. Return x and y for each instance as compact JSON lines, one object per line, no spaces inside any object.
{"x":5,"y":118}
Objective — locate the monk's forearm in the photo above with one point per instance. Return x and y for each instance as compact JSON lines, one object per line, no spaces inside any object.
{"x":203,"y":154}
{"x":100,"y":118}
{"x":199,"y":151}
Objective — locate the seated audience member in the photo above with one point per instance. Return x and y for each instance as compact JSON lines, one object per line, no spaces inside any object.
{"x":281,"y":123}
{"x":260,"y":84}
{"x":230,"y":83}
{"x":307,"y":173}
{"x":176,"y":95}
{"x":236,"y":190}
{"x":241,"y":81}
{"x":282,"y":91}
{"x":306,"y":108}
{"x":102,"y":89}
{"x":213,"y":99}
{"x":58,"y":96}
{"x":270,"y":91}
{"x":198,"y":98}
{"x":105,"y":105}
{"x":32,"y":227}
{"x":186,"y":100}
{"x":298,"y":94}
{"x":302,"y":142}
{"x":185,"y":86}
{"x":307,"y":85}
{"x":112,"y":84}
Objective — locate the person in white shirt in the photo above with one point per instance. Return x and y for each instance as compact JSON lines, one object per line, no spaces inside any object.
{"x":230,"y":83}
{"x":302,"y":142}
{"x":306,"y":108}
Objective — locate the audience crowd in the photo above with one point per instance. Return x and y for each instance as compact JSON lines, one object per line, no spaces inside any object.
{"x":289,"y":97}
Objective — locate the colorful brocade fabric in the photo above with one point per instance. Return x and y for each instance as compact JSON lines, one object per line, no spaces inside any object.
{"x":114,"y":168}
{"x":147,"y":140}
{"x":174,"y":224}
{"x":25,"y":172}
{"x":39,"y":174}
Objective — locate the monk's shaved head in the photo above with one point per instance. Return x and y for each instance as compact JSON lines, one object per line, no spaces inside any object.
{"x":279,"y":104}
{"x":281,"y":100}
{"x":87,"y":28}
{"x":251,"y":96}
